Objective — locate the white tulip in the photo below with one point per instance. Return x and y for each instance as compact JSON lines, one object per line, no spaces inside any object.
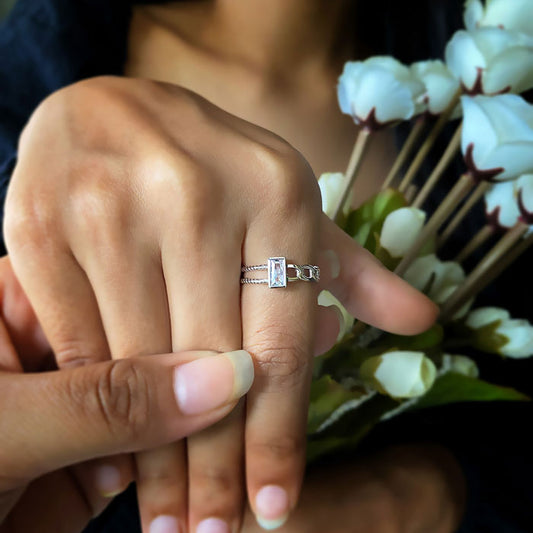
{"x":491,"y":60}
{"x":497,"y":332}
{"x":400,"y":374}
{"x":331,"y":186}
{"x":438,"y":279}
{"x":440,"y":84}
{"x":497,"y":137}
{"x":400,"y":230}
{"x":326,"y":299}
{"x":378,"y":91}
{"x":460,"y":364}
{"x":509,"y":14}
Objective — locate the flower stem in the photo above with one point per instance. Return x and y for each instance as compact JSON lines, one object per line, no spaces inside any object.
{"x":477,"y":240}
{"x":429,"y":142}
{"x":442,"y":165}
{"x":461,"y":214}
{"x":406,"y":150}
{"x":361,"y":144}
{"x":463,"y":186}
{"x":486,"y":270}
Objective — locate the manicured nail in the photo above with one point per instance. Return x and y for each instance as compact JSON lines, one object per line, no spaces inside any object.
{"x":212,"y":525}
{"x":211,"y":382}
{"x":165,"y":524}
{"x":334,"y":263}
{"x":108,"y":481}
{"x":272,"y":507}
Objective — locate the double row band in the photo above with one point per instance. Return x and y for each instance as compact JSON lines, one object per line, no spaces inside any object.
{"x":278,"y":273}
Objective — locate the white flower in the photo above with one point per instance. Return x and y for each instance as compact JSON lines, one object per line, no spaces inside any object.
{"x":510,"y":202}
{"x":460,"y":364}
{"x":378,"y":91}
{"x":331,"y":186}
{"x":497,"y":138}
{"x":496,"y":332}
{"x":491,"y":60}
{"x":439,"y":82}
{"x":400,"y":230}
{"x":438,"y":279}
{"x":509,"y":14}
{"x":501,"y":206}
{"x":326,"y":299}
{"x":400,"y":374}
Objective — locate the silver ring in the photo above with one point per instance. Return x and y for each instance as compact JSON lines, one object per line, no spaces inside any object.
{"x":278,"y":273}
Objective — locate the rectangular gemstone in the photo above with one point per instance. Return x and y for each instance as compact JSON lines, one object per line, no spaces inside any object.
{"x":277,"y":272}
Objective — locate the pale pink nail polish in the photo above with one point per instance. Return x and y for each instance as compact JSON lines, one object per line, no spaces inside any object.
{"x":272,"y":507}
{"x":211,"y":382}
{"x":108,"y":481}
{"x":165,"y":524}
{"x":212,"y":525}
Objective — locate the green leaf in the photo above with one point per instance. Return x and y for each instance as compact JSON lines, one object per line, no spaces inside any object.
{"x":367,"y":220}
{"x":424,"y":341}
{"x":453,"y":387}
{"x":326,"y":396}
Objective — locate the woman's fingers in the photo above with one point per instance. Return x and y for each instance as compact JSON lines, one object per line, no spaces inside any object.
{"x":205,"y":313}
{"x":54,"y":419}
{"x":368,"y":290}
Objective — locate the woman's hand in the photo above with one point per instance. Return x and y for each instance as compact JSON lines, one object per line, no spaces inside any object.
{"x":131,"y":210}
{"x":50,"y":420}
{"x":409,"y":489}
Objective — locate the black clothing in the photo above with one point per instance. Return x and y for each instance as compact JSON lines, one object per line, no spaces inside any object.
{"x":48,"y":44}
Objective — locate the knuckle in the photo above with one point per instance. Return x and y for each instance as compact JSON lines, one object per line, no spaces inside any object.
{"x":213,"y":480}
{"x":123,"y":399}
{"x":73,"y":352}
{"x":282,"y":450}
{"x":280,"y":355}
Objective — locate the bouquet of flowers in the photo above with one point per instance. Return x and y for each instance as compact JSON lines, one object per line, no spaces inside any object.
{"x":370,"y":375}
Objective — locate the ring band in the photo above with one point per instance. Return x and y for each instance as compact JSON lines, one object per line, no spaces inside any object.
{"x":278,"y":273}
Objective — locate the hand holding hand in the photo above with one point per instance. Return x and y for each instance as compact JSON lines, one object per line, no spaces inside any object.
{"x":52,"y":420}
{"x":131,"y":210}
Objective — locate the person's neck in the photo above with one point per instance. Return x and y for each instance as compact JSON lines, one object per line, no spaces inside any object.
{"x":271,"y":37}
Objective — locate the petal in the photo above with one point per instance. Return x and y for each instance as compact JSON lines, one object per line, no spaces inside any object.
{"x":512,"y":68}
{"x":515,"y":158}
{"x":477,"y":129}
{"x":379,"y":90}
{"x":460,"y":364}
{"x":501,"y":204}
{"x":400,"y":230}
{"x":520,"y":335}
{"x":483,"y":316}
{"x":326,"y":299}
{"x":421,"y":271}
{"x":331,"y":186}
{"x":473,"y":14}
{"x":524,"y":189}
{"x":464,"y":58}
{"x":511,"y":14}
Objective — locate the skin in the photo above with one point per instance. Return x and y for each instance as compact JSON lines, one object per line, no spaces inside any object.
{"x":115,"y":214}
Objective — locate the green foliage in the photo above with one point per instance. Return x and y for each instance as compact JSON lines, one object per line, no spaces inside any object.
{"x":453,"y":387}
{"x":364,"y":223}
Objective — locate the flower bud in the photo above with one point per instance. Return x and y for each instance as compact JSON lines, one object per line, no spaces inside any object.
{"x":400,"y":230}
{"x":331,"y":186}
{"x":399,"y":374}
{"x":440,"y":85}
{"x":491,"y":60}
{"x":460,"y":364}
{"x":497,"y":137}
{"x":514,"y":15}
{"x":494,"y":331}
{"x":378,"y":92}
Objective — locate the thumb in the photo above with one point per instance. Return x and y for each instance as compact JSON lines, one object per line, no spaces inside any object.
{"x":55,"y":419}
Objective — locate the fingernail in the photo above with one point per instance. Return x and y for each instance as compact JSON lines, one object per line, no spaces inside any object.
{"x":212,"y":525}
{"x":108,"y":481}
{"x":165,"y":524}
{"x":272,"y":507}
{"x":212,"y":382}
{"x":334,"y":263}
